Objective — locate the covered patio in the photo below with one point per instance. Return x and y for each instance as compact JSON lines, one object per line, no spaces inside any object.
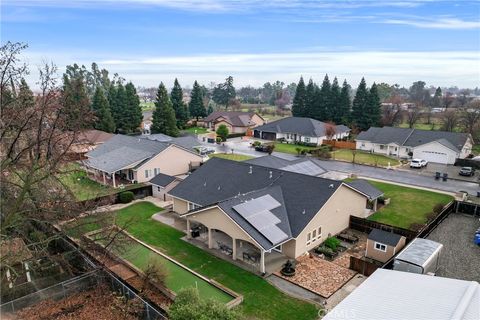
{"x":239,"y":251}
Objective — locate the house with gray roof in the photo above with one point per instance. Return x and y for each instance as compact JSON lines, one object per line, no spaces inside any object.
{"x":302,"y":165}
{"x":430,"y":145}
{"x":132,"y":159}
{"x":299,"y":129}
{"x":260,"y":214}
{"x":236,"y":121}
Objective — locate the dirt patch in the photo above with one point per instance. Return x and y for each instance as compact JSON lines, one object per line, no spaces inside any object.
{"x":356,"y":250}
{"x":320,"y":276}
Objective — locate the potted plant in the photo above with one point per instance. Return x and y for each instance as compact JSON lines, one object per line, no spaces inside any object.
{"x":288,"y":269}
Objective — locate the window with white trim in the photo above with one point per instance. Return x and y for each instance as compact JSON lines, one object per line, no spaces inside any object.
{"x":382,"y":147}
{"x":192,"y":206}
{"x":309,"y":238}
{"x":380,"y":247}
{"x":148,"y":173}
{"x":156,"y":171}
{"x":306,"y":139}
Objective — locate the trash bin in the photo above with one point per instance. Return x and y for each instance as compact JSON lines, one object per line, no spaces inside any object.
{"x":478,"y":194}
{"x":437,"y":175}
{"x":445,"y":176}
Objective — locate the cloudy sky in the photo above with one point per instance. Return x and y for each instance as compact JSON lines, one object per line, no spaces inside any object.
{"x":148,"y":41}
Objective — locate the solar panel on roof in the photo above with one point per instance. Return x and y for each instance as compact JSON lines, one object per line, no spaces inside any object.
{"x":263,"y":203}
{"x":305,"y":167}
{"x":263,"y":218}
{"x":273,"y":233}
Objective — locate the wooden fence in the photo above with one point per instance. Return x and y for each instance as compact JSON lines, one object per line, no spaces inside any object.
{"x":366,"y":226}
{"x":139,"y":192}
{"x":363,"y":266}
{"x":467,"y":163}
{"x":341,"y":144}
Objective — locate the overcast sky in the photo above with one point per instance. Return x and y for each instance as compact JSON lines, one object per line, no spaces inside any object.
{"x":148,"y":41}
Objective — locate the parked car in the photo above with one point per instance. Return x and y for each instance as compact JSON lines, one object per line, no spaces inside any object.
{"x":467,"y":171}
{"x":204,"y":150}
{"x":418,"y":163}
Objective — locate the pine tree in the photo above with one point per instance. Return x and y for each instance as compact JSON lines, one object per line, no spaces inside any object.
{"x":344,"y":104}
{"x":310,"y":99}
{"x":209,"y":110}
{"x":322,"y":108}
{"x":360,"y":115}
{"x":335,"y":113}
{"x":196,"y":107}
{"x":101,"y":108}
{"x":118,"y":108}
{"x":164,"y":116}
{"x":299,"y":101}
{"x":133,"y":112}
{"x":25,"y":98}
{"x":437,"y":98}
{"x":181,"y":111}
{"x":374,"y":106}
{"x":75,"y":97}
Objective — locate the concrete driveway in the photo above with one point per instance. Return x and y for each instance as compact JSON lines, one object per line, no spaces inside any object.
{"x":451,"y":170}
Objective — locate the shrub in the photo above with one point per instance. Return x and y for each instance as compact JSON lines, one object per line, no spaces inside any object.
{"x":431,"y":216}
{"x":381,"y":200}
{"x":256,"y":143}
{"x":332,"y":243}
{"x":438,"y":208}
{"x":218,"y":139}
{"x":299,"y":150}
{"x":269,"y":148}
{"x":126,"y":197}
{"x":222,"y":132}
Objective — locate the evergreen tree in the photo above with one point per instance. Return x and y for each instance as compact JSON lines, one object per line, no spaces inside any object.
{"x":101,"y":108}
{"x":437,"y":98}
{"x":374,"y":106}
{"x":310,"y":99}
{"x":359,"y":108}
{"x":344,"y":105}
{"x":224,"y":93}
{"x":118,"y":108}
{"x":75,"y":98}
{"x":164,"y":116}
{"x":133,"y":112}
{"x":335,"y":96}
{"x":196,"y":107}
{"x":25,"y":98}
{"x":181,"y":111}
{"x":299,"y":101}
{"x":322,"y":108}
{"x":209,"y":110}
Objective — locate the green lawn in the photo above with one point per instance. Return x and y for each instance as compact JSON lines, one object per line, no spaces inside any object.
{"x":407,"y":205}
{"x":364,"y":158}
{"x":147,"y":106}
{"x":289,"y":148}
{"x":196,"y":130}
{"x":261,"y":299}
{"x":476,"y":149}
{"x":82,"y":187}
{"x":231,"y":156}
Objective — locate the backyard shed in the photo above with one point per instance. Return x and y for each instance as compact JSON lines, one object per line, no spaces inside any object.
{"x":420,"y":256}
{"x":383,"y":245}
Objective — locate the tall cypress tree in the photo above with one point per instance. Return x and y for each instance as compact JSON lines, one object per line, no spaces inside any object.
{"x":196,"y":106}
{"x":374,"y":106}
{"x":344,"y":104}
{"x":310,"y":99}
{"x":359,"y":109}
{"x":164,"y":116}
{"x":299,"y":101}
{"x":75,"y":97}
{"x":323,"y":101}
{"x":101,"y":108}
{"x":25,"y":98}
{"x":335,"y":114}
{"x":133,"y":112}
{"x":118,"y":108}
{"x":181,"y":111}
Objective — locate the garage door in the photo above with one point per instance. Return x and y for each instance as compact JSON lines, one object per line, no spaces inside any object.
{"x":433,"y":156}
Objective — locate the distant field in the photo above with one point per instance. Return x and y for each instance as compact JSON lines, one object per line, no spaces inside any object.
{"x":147,"y":106}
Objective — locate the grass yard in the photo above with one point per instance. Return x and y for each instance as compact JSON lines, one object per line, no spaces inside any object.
{"x":231,"y":156}
{"x":261,"y":299}
{"x":83,"y":187}
{"x":147,"y":106}
{"x":364,"y":158}
{"x":289,"y":148}
{"x":407,"y":205}
{"x":476,"y":149}
{"x":196,"y":130}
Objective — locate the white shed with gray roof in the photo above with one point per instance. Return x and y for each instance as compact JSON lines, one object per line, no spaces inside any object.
{"x":420,"y":256}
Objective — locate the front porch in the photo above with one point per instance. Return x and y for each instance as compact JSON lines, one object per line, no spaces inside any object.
{"x":239,"y":252}
{"x":115,"y":179}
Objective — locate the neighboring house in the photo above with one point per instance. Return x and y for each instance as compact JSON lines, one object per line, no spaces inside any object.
{"x":383,"y":245}
{"x":303,"y":165}
{"x":395,"y":295}
{"x":434,"y":146}
{"x":187,"y":142}
{"x":236,"y":122}
{"x":133,"y":159}
{"x":87,"y":141}
{"x":369,"y":191}
{"x":298,"y":129}
{"x":262,"y":211}
{"x":162,"y":184}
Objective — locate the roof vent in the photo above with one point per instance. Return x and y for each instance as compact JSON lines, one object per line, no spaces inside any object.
{"x":218,"y":188}
{"x":251,"y":170}
{"x":331,"y":186}
{"x":303,"y":212}
{"x":205,"y":183}
{"x":271,"y":174}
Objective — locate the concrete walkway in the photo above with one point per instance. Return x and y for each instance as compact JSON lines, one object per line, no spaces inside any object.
{"x":294,"y":290}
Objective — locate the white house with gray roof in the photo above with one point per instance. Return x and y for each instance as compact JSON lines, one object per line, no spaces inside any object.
{"x":434,"y":146}
{"x":130,"y":159}
{"x":299,"y":129}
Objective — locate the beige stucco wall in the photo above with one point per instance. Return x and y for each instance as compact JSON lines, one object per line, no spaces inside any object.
{"x":333,"y":217}
{"x":257,"y":120}
{"x":180,"y":206}
{"x":380,"y":255}
{"x":161,"y":192}
{"x":172,"y":161}
{"x":215,"y":218}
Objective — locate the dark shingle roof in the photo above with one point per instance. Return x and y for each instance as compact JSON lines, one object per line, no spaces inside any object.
{"x":219,"y":179}
{"x":187,"y":142}
{"x":388,"y":238}
{"x":303,"y":126}
{"x":269,"y":162}
{"x":236,"y":118}
{"x":303,"y":165}
{"x":414,"y":137}
{"x":365,"y":187}
{"x":162,"y":180}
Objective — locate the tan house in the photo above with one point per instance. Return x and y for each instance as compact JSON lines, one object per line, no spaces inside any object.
{"x":129,"y":159}
{"x":259,"y":215}
{"x":236,"y":122}
{"x":383,"y":245}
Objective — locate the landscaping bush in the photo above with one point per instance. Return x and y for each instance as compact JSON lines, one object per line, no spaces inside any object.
{"x":438,"y":208}
{"x":219,"y":140}
{"x":222,"y":132}
{"x":256,"y":143}
{"x":235,"y":135}
{"x":381,"y":200}
{"x":126,"y":197}
{"x":332,"y":243}
{"x":431,"y":216}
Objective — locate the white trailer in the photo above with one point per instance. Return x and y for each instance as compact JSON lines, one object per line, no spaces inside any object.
{"x":420,"y":256}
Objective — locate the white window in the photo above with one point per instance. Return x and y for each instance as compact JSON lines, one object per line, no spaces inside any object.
{"x":314,"y":235}
{"x":148,"y":173}
{"x":309,"y":237}
{"x":382,"y":147}
{"x":319,"y":232}
{"x":156,"y":171}
{"x":380,"y":247}
{"x":192,"y":206}
{"x":306,"y":139}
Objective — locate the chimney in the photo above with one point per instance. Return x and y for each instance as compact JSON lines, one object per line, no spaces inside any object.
{"x":251,"y":170}
{"x":271,"y":174}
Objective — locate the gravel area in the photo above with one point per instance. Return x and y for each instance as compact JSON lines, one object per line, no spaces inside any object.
{"x":461,"y":257}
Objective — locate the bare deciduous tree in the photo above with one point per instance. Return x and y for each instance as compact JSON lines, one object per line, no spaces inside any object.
{"x":470,"y":118}
{"x":449,"y":120}
{"x":413,"y":116}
